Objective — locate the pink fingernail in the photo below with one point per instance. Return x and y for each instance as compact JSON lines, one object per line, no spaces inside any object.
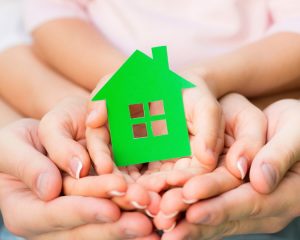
{"x":92,"y":116}
{"x":189,"y":201}
{"x":242,"y":165}
{"x":137,"y":205}
{"x":117,"y":193}
{"x":76,"y":167}
{"x":171,"y":228}
{"x":270,"y":174}
{"x":149,"y":213}
{"x":169,"y":216}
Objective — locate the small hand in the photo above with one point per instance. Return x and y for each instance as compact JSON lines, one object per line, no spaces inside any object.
{"x":205,"y":125}
{"x":62,"y":131}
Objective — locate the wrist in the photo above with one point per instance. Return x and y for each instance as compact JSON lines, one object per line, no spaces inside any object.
{"x":210,"y":77}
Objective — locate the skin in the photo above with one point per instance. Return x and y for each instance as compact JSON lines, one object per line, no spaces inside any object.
{"x":239,"y":68}
{"x":22,"y":196}
{"x":8,"y":115}
{"x":28,"y":83}
{"x":244,"y":209}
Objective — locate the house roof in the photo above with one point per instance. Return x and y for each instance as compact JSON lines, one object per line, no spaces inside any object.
{"x":140,"y":66}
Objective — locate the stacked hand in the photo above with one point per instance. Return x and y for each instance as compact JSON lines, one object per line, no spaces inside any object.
{"x":97,"y":189}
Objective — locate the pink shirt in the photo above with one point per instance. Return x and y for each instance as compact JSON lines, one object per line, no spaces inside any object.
{"x":193,"y":30}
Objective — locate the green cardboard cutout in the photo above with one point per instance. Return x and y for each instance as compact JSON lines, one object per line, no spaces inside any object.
{"x":140,"y":82}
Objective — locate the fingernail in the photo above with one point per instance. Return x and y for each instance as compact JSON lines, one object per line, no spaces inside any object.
{"x":204,"y":220}
{"x":169,"y":216}
{"x":117,"y":193}
{"x":76,"y":167}
{"x":171,"y":228}
{"x":92,"y":116}
{"x":42,"y":184}
{"x":242,"y":165}
{"x":270,"y":174}
{"x":137,"y":205}
{"x":189,"y":201}
{"x":149,"y":213}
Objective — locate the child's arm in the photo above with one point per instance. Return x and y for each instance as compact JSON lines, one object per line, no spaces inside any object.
{"x":30,"y":86}
{"x":7,"y":114}
{"x":268,"y":66}
{"x":78,"y":50}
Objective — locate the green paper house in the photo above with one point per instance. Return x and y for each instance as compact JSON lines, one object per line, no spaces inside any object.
{"x":145,"y":110}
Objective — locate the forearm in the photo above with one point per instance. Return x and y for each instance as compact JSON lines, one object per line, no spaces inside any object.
{"x":78,"y":51}
{"x":268,"y":66}
{"x":30,"y":86}
{"x":7,"y":114}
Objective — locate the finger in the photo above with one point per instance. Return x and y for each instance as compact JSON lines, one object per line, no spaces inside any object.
{"x":182,"y":231}
{"x":17,"y":203}
{"x":209,"y":185}
{"x":28,"y":163}
{"x":185,"y":230}
{"x":276,"y":158}
{"x":154,"y":206}
{"x":164,"y":223}
{"x":97,"y":112}
{"x":136,"y":198}
{"x":204,"y":117}
{"x":172,"y":203}
{"x":153,"y":236}
{"x":104,"y":186}
{"x":124,"y":228}
{"x":155,"y":182}
{"x":183,"y":170}
{"x":248,"y":126}
{"x":97,"y":144}
{"x":61,"y":131}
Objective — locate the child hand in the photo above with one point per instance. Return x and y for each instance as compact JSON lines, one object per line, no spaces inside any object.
{"x":205,"y":125}
{"x":62,"y":132}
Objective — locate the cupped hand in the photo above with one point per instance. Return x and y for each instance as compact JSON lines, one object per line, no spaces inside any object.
{"x":247,"y":209}
{"x":242,"y":211}
{"x":245,"y":136}
{"x":205,"y":125}
{"x":28,"y":175}
{"x":62,"y":131}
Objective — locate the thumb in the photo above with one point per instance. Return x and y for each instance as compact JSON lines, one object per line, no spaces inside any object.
{"x":247,"y":125}
{"x":97,"y":112}
{"x":28,"y":163}
{"x":62,"y":133}
{"x":275,"y":159}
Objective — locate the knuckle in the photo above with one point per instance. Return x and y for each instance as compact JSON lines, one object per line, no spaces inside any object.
{"x":231,"y":228}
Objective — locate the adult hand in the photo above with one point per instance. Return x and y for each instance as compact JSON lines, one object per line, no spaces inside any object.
{"x":245,"y":135}
{"x":244,"y":209}
{"x":66,"y":217}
